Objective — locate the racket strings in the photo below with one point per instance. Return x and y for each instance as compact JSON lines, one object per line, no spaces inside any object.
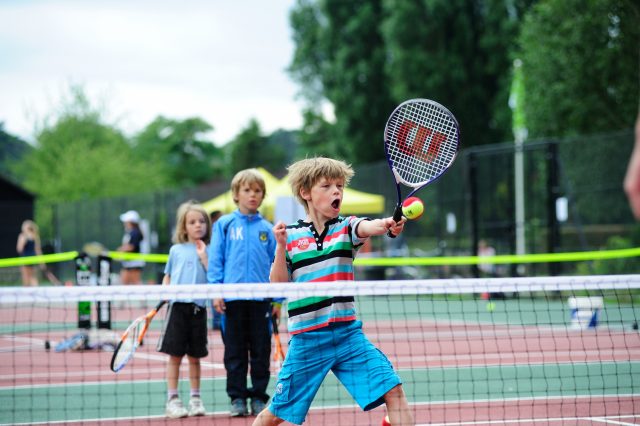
{"x":128,"y":346}
{"x":422,"y":141}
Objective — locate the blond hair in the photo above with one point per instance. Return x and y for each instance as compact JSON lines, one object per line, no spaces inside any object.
{"x":180,"y":234}
{"x":249,"y":177}
{"x":30,"y":225}
{"x":305,"y":173}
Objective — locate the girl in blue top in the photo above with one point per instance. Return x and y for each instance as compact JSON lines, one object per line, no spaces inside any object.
{"x":185,"y":330}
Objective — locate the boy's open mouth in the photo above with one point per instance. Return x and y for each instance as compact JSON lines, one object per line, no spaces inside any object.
{"x":335,"y":204}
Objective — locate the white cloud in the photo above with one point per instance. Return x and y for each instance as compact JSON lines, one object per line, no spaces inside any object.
{"x":222,"y":61}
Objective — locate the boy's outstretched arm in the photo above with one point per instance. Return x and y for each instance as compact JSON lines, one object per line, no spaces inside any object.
{"x":369,"y":228}
{"x":279,"y":273}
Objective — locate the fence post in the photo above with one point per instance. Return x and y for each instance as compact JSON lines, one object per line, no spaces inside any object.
{"x":553,"y":227}
{"x":473,"y":202}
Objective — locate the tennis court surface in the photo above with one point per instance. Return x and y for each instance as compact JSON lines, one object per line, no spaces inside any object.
{"x":537,"y":351}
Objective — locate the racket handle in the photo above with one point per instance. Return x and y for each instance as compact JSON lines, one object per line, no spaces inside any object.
{"x":397,"y":215}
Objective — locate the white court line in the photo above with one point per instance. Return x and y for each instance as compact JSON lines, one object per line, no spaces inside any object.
{"x":469,"y":423}
{"x":163,"y":358}
{"x":518,"y":359}
{"x":536,"y":420}
{"x":105,"y":372}
{"x":493,"y":330}
{"x":347,"y":406}
{"x":613,"y":422}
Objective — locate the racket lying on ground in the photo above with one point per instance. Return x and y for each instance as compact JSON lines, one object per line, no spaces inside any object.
{"x":278,"y":355}
{"x":74,"y":343}
{"x":421,"y":141}
{"x":132,"y":338}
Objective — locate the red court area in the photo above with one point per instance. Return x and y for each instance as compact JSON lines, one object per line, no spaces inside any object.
{"x":414,"y":347}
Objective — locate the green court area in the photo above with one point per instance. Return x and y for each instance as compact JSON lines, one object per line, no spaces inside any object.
{"x":143,"y":398}
{"x":537,"y":310}
{"x":455,"y":350}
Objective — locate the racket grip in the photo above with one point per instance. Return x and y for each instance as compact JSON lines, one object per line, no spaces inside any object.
{"x":397,"y":215}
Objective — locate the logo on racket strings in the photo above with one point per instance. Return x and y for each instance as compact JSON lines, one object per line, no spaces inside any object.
{"x":419,"y":141}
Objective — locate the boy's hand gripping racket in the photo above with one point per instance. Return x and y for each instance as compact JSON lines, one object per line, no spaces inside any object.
{"x":132,"y":338}
{"x":421,"y":141}
{"x":278,"y":355}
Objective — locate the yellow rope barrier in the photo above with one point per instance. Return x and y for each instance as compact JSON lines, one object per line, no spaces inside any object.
{"x":371,"y":261}
{"x":36,"y":260}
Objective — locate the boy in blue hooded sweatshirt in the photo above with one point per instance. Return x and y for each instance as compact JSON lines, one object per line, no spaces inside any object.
{"x":241,"y":251}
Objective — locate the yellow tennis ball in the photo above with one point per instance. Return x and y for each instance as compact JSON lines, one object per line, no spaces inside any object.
{"x":412,"y":208}
{"x":491,"y":306}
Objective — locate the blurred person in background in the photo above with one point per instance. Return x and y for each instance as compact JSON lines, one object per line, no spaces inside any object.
{"x":485,"y":250}
{"x":131,"y":271}
{"x":29,"y":245}
{"x":215,"y":215}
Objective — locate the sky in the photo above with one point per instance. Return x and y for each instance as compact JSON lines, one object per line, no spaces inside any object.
{"x":221,"y":60}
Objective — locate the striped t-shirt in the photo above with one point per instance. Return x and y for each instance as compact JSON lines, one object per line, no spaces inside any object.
{"x":321,"y":257}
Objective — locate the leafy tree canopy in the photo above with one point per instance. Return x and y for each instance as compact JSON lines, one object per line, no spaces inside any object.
{"x":365,"y":57}
{"x":180,"y":150}
{"x":79,"y":156}
{"x":340,"y":57}
{"x":252,"y":149}
{"x":13,"y":150}
{"x":580,"y":66}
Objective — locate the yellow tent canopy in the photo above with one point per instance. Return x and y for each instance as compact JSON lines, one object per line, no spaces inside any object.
{"x":354,"y":202}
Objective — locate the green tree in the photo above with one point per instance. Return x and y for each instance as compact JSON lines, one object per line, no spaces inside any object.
{"x":580,"y":75}
{"x":283,"y":149}
{"x":76,"y":155}
{"x":316,"y":136}
{"x":459,"y":55}
{"x":502,"y":20}
{"x":365,"y":57}
{"x":340,"y":54}
{"x":12,"y":150}
{"x":580,"y":66}
{"x":79,"y":156}
{"x":311,"y":54}
{"x":252,"y":149}
{"x":179,"y":149}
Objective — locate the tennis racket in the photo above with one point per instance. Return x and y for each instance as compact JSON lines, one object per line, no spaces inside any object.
{"x":51,"y":277}
{"x":132,"y":338}
{"x":278,"y":355}
{"x":74,"y":343}
{"x":421,"y":142}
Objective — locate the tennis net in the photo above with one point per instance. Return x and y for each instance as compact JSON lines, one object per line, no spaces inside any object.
{"x":551,"y":350}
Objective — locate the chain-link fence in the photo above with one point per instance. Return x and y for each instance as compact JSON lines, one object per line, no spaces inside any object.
{"x":573,"y":201}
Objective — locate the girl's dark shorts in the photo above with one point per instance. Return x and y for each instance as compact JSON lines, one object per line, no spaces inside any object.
{"x":185,"y":331}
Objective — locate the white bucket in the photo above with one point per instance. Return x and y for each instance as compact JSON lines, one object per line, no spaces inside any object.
{"x":585,"y":311}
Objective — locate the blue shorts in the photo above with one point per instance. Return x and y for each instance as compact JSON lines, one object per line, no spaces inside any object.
{"x":342,"y":348}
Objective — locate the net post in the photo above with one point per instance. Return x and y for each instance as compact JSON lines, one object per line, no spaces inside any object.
{"x":103,"y":309}
{"x":83,"y":278}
